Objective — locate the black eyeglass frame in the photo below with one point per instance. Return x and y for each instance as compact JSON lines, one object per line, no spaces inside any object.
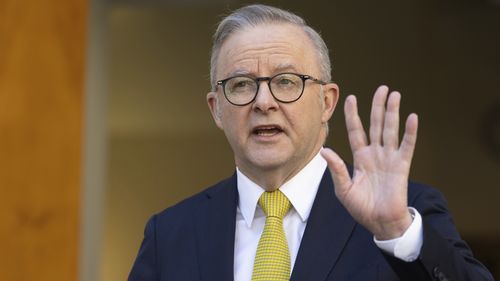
{"x":268,"y":79}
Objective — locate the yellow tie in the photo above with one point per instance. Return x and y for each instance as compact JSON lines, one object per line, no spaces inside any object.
{"x":272,"y":261}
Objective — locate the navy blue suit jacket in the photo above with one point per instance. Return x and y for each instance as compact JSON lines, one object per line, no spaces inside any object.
{"x":194,"y":240}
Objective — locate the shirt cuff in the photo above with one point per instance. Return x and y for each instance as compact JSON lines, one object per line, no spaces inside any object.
{"x":406,"y":247}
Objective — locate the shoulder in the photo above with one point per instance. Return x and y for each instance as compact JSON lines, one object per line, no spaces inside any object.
{"x":432,"y":206}
{"x":421,"y":195}
{"x":191,"y":205}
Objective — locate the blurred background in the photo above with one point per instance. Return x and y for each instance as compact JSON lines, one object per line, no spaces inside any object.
{"x":103,"y":116}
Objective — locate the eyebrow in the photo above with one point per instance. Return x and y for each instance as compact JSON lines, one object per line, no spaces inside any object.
{"x":284,"y":67}
{"x":239,"y":72}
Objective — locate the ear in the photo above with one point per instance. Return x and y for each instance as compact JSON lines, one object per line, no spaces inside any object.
{"x":330,"y":98}
{"x":213,"y":105}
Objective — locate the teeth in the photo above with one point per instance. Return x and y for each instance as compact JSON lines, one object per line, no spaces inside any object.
{"x":264,"y":133}
{"x":267,"y":131}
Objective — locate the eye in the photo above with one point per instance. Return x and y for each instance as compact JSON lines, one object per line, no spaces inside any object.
{"x":285,"y":81}
{"x":240,"y":85}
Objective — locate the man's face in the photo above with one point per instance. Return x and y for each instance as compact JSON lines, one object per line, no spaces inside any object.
{"x":268,"y":136}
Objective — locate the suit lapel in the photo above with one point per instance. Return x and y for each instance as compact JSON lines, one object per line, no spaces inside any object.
{"x":328,"y":229}
{"x":216,"y":222}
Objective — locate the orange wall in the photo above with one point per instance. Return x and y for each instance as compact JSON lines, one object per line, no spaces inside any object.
{"x":42,"y":46}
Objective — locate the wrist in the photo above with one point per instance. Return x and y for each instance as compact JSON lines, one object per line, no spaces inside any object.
{"x":394,"y":229}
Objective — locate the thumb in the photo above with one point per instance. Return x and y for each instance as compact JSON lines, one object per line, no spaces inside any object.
{"x":338,"y":169}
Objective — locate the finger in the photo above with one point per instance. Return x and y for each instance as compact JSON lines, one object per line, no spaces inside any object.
{"x":410,"y":137}
{"x":338,"y":169}
{"x":377,"y":114}
{"x":355,"y":131}
{"x":391,"y":121}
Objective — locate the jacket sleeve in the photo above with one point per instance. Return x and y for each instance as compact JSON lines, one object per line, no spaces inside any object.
{"x":444,"y":255}
{"x":145,"y":265}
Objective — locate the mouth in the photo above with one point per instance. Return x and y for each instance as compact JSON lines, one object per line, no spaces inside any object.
{"x":267,"y":130}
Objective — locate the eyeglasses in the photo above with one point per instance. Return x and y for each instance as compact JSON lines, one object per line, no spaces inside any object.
{"x":285,"y":87}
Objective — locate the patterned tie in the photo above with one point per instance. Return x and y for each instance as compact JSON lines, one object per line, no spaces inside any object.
{"x":272,"y":261}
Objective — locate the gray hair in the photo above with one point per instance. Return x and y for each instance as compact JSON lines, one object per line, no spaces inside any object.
{"x":254,"y":15}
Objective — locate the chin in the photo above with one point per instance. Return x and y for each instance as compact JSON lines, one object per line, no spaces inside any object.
{"x":269,"y":160}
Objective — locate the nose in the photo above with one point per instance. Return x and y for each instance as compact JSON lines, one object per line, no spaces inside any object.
{"x":264,"y":101}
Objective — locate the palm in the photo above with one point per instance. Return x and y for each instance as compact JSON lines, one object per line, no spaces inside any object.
{"x":378,"y":184}
{"x":376,"y":195}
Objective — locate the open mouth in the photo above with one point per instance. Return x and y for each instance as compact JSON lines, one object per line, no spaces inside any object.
{"x":268,"y":130}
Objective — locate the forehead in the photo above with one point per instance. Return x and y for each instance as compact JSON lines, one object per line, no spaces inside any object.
{"x":266,"y":49}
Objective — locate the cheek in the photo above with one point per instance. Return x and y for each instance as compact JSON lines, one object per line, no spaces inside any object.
{"x":234,"y":123}
{"x":298,"y":124}
{"x":306,"y":122}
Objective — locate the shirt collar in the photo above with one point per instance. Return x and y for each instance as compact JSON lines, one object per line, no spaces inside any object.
{"x":300,"y":190}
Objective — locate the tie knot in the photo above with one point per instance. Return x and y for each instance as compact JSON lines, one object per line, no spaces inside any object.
{"x":274,"y":204}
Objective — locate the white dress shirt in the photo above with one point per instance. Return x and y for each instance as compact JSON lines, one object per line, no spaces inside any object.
{"x":301,"y":191}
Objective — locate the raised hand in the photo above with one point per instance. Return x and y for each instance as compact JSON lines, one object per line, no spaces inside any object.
{"x":376,"y":195}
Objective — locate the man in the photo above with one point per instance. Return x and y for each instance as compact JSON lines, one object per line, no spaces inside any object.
{"x":272,"y":98}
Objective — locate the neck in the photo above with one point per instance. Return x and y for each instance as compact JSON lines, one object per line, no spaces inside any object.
{"x":272,"y":178}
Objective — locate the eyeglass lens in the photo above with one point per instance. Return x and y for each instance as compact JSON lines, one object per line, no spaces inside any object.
{"x":285,"y":87}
